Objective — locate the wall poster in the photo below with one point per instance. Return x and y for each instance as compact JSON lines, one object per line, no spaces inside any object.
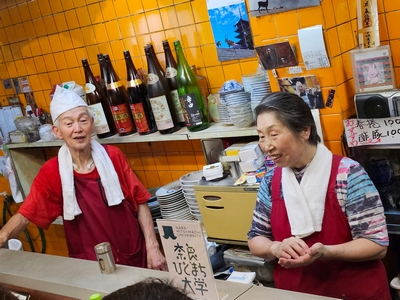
{"x":259,"y":8}
{"x":231,"y":29}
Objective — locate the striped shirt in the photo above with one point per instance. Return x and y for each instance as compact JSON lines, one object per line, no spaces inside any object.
{"x":357,"y":196}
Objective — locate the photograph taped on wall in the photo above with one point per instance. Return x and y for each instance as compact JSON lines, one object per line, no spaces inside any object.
{"x":277,"y":55}
{"x":306,"y":87}
{"x":260,"y":8}
{"x":372,"y":69}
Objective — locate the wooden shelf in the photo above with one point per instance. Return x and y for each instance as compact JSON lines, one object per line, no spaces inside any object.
{"x":216,"y":130}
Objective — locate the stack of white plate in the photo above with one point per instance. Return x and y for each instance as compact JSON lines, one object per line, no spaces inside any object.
{"x":173,"y":203}
{"x":223,"y":114}
{"x":187,"y":183}
{"x":154,"y":209}
{"x":252,"y":78}
{"x":241,"y":115}
{"x":258,"y":91}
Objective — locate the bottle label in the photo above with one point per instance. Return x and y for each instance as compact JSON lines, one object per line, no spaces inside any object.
{"x":177,"y":105}
{"x":100,"y":121}
{"x":170,"y":72}
{"x":152,"y":78}
{"x":139,"y":116}
{"x":133,"y":83}
{"x":89,"y":88}
{"x":161,"y":112}
{"x":114,"y":85}
{"x":191,"y":110}
{"x":121,"y":117}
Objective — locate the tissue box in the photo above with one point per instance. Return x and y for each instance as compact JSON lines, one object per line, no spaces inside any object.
{"x":250,"y":151}
{"x":252,"y":165}
{"x":17,"y":136}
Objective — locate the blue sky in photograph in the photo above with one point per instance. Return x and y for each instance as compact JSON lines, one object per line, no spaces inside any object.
{"x":223,"y":20}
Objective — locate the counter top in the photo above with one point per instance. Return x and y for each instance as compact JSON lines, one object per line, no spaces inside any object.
{"x":81,"y":278}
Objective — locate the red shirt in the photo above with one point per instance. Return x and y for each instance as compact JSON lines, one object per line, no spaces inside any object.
{"x":45,"y":203}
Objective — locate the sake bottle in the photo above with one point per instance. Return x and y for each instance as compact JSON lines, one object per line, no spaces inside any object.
{"x":118,"y":99}
{"x":103,"y":120}
{"x":138,"y":99}
{"x":190,"y":96}
{"x":103,"y":83}
{"x":160,"y":95}
{"x":170,"y":75}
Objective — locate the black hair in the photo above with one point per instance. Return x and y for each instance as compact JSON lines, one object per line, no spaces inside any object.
{"x":5,"y":294}
{"x":292,"y":111}
{"x":149,"y":289}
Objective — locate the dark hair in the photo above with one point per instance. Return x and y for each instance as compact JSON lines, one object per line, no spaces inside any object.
{"x":5,"y":294}
{"x":292,"y":111}
{"x":149,"y":289}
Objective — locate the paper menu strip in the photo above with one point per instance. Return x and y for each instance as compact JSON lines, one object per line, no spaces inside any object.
{"x":312,"y":47}
{"x":368,"y":26}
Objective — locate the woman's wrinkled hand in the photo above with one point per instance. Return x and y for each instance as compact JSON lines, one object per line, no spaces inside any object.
{"x":290,"y":248}
{"x":312,"y":254}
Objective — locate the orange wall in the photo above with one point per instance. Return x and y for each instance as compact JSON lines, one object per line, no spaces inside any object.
{"x":46,"y":40}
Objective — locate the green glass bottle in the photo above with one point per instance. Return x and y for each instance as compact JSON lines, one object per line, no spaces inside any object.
{"x":192,"y":101}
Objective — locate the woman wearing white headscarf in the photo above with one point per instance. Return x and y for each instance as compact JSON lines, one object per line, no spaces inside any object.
{"x":95,"y":191}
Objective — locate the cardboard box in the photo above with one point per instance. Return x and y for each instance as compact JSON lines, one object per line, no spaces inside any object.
{"x":252,"y":165}
{"x":250,"y":151}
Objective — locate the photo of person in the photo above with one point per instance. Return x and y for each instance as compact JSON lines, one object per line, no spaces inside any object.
{"x":306,"y":87}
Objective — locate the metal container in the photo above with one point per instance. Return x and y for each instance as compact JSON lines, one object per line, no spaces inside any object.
{"x":105,"y":258}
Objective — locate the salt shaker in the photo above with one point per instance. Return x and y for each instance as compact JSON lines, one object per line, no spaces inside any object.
{"x":105,"y":258}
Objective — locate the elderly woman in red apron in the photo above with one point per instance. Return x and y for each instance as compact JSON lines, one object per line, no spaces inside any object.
{"x":95,"y":191}
{"x":317,"y":214}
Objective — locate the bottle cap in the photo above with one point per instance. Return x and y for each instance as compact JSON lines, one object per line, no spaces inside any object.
{"x":95,"y":297}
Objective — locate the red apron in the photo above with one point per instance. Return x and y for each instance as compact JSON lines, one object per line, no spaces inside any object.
{"x":333,"y":278}
{"x":99,"y":223}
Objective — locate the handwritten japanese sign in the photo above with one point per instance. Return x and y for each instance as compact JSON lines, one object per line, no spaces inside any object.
{"x":361,"y":132}
{"x":187,"y":257}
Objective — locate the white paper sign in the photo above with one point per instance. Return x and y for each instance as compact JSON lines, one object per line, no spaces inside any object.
{"x":312,"y":47}
{"x":361,"y":132}
{"x":186,"y":253}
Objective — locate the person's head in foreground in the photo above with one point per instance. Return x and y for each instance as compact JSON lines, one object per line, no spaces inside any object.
{"x":286,"y":129}
{"x":149,"y":289}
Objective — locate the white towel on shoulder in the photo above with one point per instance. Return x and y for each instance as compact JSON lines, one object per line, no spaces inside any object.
{"x":108,"y":176}
{"x":305,"y":202}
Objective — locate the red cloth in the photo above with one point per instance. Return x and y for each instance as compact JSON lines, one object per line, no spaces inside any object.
{"x":333,"y":278}
{"x":98,"y":222}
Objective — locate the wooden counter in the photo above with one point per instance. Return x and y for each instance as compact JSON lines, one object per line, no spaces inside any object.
{"x":79,"y":279}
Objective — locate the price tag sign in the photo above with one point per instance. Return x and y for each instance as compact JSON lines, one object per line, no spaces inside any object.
{"x":382,"y":131}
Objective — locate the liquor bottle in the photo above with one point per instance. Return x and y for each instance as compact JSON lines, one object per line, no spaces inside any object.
{"x":138,"y":99}
{"x":170,"y":75}
{"x":118,"y":99}
{"x":160,"y":95}
{"x":190,"y":96}
{"x":203,"y":87}
{"x":103,"y":83}
{"x":103,"y":119}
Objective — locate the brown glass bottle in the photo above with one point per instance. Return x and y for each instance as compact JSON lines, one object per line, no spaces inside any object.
{"x":118,"y":99}
{"x":103,"y":120}
{"x":160,"y":95}
{"x":138,"y":99}
{"x":170,"y":75}
{"x":103,"y":83}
